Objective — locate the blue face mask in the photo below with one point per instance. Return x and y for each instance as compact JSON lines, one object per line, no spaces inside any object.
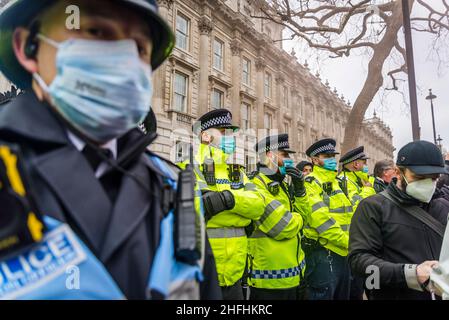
{"x":227,"y":144}
{"x":102,"y":88}
{"x":365,"y":169}
{"x":287,"y":163}
{"x":330,"y":164}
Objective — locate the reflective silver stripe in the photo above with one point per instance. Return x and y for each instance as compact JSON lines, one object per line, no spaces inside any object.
{"x":325,"y":226}
{"x":215,"y":233}
{"x":198,"y":193}
{"x":250,"y":187}
{"x":277,"y":229}
{"x":344,"y":209}
{"x":273,"y":205}
{"x":318,"y":206}
{"x":345,"y":227}
{"x":356,"y":197}
{"x":333,"y":193}
{"x":258,"y":234}
{"x":202,"y":185}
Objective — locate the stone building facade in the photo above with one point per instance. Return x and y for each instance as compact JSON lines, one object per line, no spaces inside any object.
{"x":225,"y":58}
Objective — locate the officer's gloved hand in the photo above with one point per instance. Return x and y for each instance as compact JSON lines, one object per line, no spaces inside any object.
{"x":216,"y":202}
{"x":297,"y":181}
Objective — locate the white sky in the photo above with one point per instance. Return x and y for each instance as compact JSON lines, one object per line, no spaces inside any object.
{"x":348,"y":75}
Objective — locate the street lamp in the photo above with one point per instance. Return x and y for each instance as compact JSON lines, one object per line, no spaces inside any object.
{"x":439,"y":143}
{"x":410,"y":70}
{"x":430,"y":97}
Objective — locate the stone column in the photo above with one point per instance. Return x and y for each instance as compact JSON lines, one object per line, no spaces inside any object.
{"x":295,"y":115}
{"x":205,"y":26}
{"x":159,"y":74}
{"x":236,"y":49}
{"x":260,"y":75}
{"x":278,"y":101}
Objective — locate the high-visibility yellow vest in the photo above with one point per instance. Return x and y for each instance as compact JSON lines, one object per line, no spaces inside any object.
{"x":276,"y":260}
{"x":331,"y":212}
{"x":226,"y":230}
{"x":356,"y":191}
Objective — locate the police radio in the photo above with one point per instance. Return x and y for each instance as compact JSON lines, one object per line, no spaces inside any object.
{"x":20,"y":223}
{"x":209,"y":171}
{"x":234,"y":172}
{"x":327,"y":188}
{"x":273,"y":188}
{"x":187,"y":224}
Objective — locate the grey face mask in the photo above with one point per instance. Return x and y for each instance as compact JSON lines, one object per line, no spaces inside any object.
{"x":421,"y":190}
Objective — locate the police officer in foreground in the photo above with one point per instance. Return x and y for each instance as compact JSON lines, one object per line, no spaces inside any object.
{"x":82,"y":193}
{"x":276,"y":259}
{"x":354,"y":181}
{"x":399,"y":232}
{"x":326,"y":232}
{"x":231,"y":201}
{"x":354,"y":178}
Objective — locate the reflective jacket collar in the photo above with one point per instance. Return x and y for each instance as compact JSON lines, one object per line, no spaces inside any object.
{"x":205,"y":151}
{"x":269,"y":173}
{"x":323,"y":175}
{"x":32,"y":119}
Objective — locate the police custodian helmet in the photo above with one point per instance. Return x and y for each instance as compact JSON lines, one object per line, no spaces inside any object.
{"x":22,"y":12}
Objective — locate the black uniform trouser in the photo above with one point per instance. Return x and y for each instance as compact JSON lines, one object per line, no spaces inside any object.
{"x":234,"y":292}
{"x":327,"y":273}
{"x":274,"y":294}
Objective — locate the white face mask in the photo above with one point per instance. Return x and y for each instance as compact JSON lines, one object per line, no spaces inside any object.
{"x":421,"y":190}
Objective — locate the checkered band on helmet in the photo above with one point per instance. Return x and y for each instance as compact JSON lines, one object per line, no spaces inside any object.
{"x":353,"y":158}
{"x":277,"y":146}
{"x":217,"y":122}
{"x":328,"y":147}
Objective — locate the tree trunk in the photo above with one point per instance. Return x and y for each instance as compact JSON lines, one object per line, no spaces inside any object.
{"x":374,"y":79}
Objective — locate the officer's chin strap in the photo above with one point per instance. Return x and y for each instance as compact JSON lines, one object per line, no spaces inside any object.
{"x":137,"y":148}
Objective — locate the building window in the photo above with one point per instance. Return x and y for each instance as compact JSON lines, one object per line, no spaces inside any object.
{"x":246,"y":72}
{"x":182,"y":151}
{"x":182,"y":32}
{"x":301,"y":140}
{"x":267,"y":85}
{"x":285,"y":96}
{"x":268,"y":121}
{"x":300,"y":107}
{"x":180,"y":91}
{"x":250,"y":163}
{"x":217,"y":99}
{"x":287,"y":127}
{"x":246,"y":116}
{"x":218,"y":54}
{"x":268,"y":30}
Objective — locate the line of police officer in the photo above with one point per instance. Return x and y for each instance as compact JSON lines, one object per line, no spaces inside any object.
{"x":275,"y":233}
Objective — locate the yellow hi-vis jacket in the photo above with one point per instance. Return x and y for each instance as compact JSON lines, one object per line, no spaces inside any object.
{"x":226,"y":230}
{"x":331,"y":211}
{"x":276,"y":260}
{"x":356,"y":190}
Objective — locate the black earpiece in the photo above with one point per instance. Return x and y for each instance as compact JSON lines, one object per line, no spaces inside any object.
{"x":32,"y":42}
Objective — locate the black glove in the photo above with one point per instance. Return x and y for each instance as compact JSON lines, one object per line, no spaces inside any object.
{"x":297,"y":181}
{"x":216,"y":202}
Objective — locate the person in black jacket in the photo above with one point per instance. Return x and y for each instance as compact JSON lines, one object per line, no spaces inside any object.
{"x":387,"y":242}
{"x":443,"y":181}
{"x":87,"y":89}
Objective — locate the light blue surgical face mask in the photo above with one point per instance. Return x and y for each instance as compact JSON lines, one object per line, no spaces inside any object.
{"x":102,"y":88}
{"x":227,"y":144}
{"x":288,"y":163}
{"x":330,"y":164}
{"x":365,"y":169}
